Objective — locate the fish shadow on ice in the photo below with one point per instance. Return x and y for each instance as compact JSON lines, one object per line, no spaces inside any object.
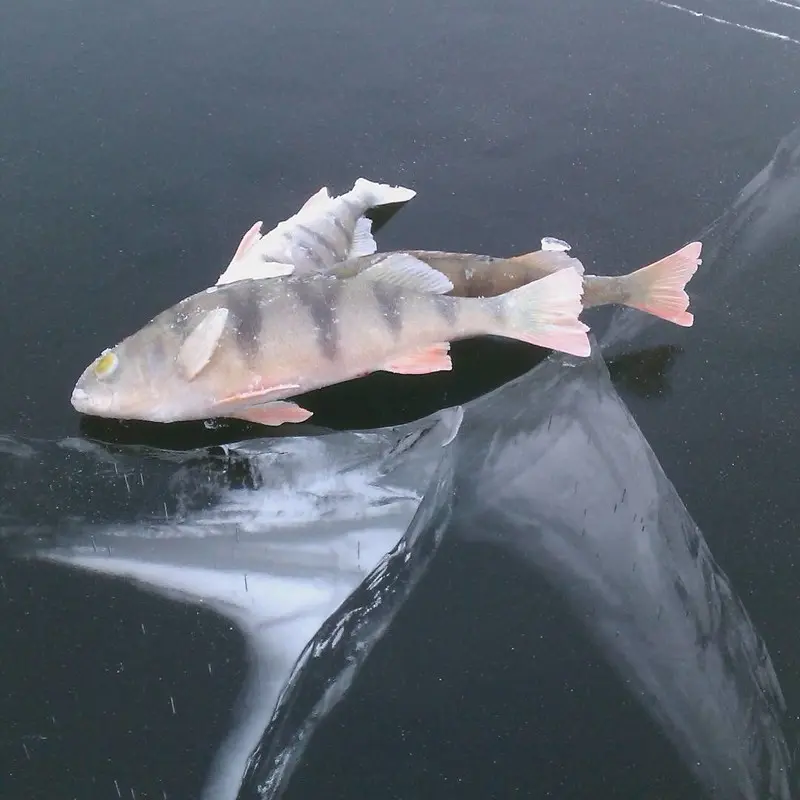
{"x":384,"y":399}
{"x":381,"y":215}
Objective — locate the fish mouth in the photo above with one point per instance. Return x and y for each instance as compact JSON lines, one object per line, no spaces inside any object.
{"x":84,"y":403}
{"x":108,"y":406}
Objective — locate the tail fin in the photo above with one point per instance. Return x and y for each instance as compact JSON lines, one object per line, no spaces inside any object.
{"x":545,"y":313}
{"x":658,"y":288}
{"x":381,"y":194}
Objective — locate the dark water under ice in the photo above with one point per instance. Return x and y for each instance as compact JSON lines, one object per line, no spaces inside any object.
{"x":531,"y":576}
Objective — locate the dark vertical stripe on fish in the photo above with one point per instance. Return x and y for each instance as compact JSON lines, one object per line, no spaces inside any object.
{"x":339,"y":225}
{"x":390,"y":302}
{"x":313,"y":255}
{"x":318,"y":238}
{"x":243,"y":304}
{"x":309,"y":251}
{"x":320,"y":298}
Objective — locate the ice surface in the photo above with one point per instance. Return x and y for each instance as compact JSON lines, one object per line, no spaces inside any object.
{"x":310,"y":544}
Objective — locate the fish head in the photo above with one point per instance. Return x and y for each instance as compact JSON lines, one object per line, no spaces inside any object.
{"x":142,"y":378}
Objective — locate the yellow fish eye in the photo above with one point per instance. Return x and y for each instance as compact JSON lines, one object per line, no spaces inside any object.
{"x":106,"y":364}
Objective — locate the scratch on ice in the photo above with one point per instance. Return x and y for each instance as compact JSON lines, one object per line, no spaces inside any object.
{"x":785,"y":4}
{"x":700,"y":14}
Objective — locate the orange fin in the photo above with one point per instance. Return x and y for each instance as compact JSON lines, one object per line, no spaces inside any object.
{"x":545,"y":313}
{"x":659,"y":288}
{"x":275,"y":413}
{"x":248,"y":240}
{"x":257,"y":394}
{"x":434,"y":358}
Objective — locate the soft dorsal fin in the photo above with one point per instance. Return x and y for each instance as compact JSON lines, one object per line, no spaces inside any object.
{"x":200,"y":344}
{"x":317,"y":198}
{"x":407,"y":272}
{"x":364,"y":243}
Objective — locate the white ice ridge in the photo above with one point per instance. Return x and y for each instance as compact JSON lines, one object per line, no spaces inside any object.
{"x":770,"y":34}
{"x":783,"y":3}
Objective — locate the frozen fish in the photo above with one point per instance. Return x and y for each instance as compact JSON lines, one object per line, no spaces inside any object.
{"x":324,"y":231}
{"x":242,"y":349}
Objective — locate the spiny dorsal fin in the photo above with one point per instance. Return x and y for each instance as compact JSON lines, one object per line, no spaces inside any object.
{"x":406,"y":272}
{"x":200,"y":344}
{"x":248,"y":241}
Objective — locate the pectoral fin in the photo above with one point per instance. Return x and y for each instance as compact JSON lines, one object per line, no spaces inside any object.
{"x":201,"y":343}
{"x":258,"y":393}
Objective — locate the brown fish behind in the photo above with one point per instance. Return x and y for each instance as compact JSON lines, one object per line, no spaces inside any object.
{"x":657,"y":289}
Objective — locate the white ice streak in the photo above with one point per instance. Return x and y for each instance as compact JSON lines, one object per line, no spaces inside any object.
{"x":770,"y":34}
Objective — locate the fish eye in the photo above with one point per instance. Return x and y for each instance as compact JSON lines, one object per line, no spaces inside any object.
{"x":106,"y":364}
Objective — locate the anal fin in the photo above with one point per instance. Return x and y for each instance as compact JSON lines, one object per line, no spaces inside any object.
{"x":275,"y":413}
{"x":434,"y":358}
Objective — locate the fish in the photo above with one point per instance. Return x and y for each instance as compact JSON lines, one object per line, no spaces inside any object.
{"x":312,"y":241}
{"x":658,"y":288}
{"x":324,"y":231}
{"x":242,"y":349}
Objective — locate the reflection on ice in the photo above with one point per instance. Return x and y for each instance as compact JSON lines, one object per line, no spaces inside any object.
{"x":278,"y":556}
{"x":330,"y":660}
{"x":554,"y":467}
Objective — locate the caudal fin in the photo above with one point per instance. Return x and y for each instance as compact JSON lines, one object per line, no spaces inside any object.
{"x":381,"y":194}
{"x":545,"y":313}
{"x":659,"y":288}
